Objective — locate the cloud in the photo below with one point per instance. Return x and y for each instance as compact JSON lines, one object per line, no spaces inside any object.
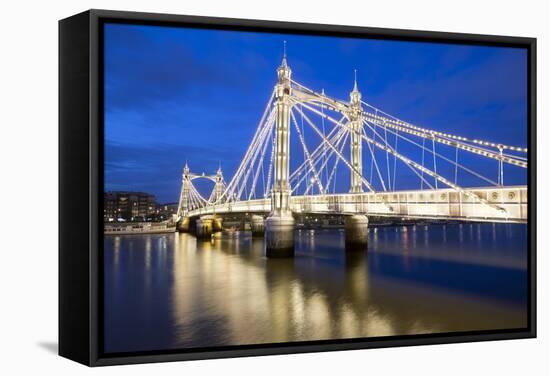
{"x":174,"y":94}
{"x":142,"y":69}
{"x":156,"y":168}
{"x":465,"y":100}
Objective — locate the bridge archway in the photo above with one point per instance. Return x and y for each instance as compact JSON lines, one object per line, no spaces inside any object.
{"x":190,"y":196}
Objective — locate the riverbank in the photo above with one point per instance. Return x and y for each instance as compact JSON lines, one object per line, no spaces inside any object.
{"x":138,"y":228}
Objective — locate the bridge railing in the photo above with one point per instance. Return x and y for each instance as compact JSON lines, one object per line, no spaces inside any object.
{"x":441,"y":204}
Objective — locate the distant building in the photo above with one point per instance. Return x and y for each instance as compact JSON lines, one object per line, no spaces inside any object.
{"x":128,"y":206}
{"x":165,"y":211}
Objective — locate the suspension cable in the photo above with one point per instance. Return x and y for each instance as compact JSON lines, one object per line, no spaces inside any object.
{"x":399,"y":122}
{"x":333,"y":172}
{"x":456,"y":165}
{"x":416,"y":165}
{"x":422,"y":179}
{"x":352,"y":168}
{"x":424,"y":148}
{"x":254,"y":155}
{"x":306,"y":152}
{"x":435,"y":165}
{"x":261,"y":162}
{"x":373,"y":160}
{"x":229,"y":191}
{"x":324,"y":145}
{"x":317,"y":153}
{"x":387,"y":155}
{"x":270,"y":170}
{"x":338,"y":139}
{"x":340,"y":143}
{"x":394,"y":163}
{"x":501,"y":166}
{"x":423,"y":152}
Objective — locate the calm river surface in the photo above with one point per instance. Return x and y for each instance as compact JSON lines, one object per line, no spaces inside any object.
{"x":170,"y":291}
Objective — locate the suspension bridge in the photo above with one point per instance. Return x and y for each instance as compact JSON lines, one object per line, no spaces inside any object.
{"x":374,"y":149}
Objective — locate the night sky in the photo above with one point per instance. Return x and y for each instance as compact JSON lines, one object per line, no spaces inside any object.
{"x":176,"y":94}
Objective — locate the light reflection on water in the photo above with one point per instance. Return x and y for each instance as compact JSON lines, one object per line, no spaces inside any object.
{"x":171,"y":291}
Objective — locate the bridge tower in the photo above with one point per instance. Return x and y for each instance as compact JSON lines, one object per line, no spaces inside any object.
{"x":218,"y":185}
{"x":357,"y":226}
{"x":183,"y":206}
{"x":356,"y":144}
{"x":279,"y":227}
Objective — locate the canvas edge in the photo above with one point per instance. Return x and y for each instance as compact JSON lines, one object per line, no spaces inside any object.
{"x":74,"y":279}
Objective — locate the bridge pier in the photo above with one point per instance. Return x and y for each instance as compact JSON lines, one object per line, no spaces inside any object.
{"x":217,"y":224}
{"x":204,"y":228}
{"x":279,"y":236}
{"x":357,"y":232}
{"x":183,"y":224}
{"x":257,"y":225}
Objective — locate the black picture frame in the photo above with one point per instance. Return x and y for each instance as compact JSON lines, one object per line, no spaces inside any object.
{"x":81,"y":175}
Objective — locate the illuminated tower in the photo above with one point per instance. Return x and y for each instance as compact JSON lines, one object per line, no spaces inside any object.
{"x":279,"y":227}
{"x":356,"y":150}
{"x":219,"y":186}
{"x":281,"y":187}
{"x":183,"y":206}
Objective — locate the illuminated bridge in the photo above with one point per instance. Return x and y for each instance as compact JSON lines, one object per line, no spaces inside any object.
{"x":375,"y":150}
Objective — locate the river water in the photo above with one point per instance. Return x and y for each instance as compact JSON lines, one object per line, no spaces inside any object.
{"x":170,"y":291}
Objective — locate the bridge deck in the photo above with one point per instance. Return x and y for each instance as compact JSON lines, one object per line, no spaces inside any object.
{"x":434,"y":204}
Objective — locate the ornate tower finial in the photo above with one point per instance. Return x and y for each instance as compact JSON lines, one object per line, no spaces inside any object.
{"x":355,"y":95}
{"x":186,"y":169}
{"x":284,"y":72}
{"x":284,"y":64}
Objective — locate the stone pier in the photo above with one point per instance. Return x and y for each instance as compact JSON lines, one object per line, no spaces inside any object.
{"x":217,"y":224}
{"x":204,"y":228}
{"x":357,"y":233}
{"x":183,"y":224}
{"x":279,"y":236}
{"x":257,"y":225}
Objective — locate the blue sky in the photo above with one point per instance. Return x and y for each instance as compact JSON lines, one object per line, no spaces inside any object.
{"x":177,"y":94}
